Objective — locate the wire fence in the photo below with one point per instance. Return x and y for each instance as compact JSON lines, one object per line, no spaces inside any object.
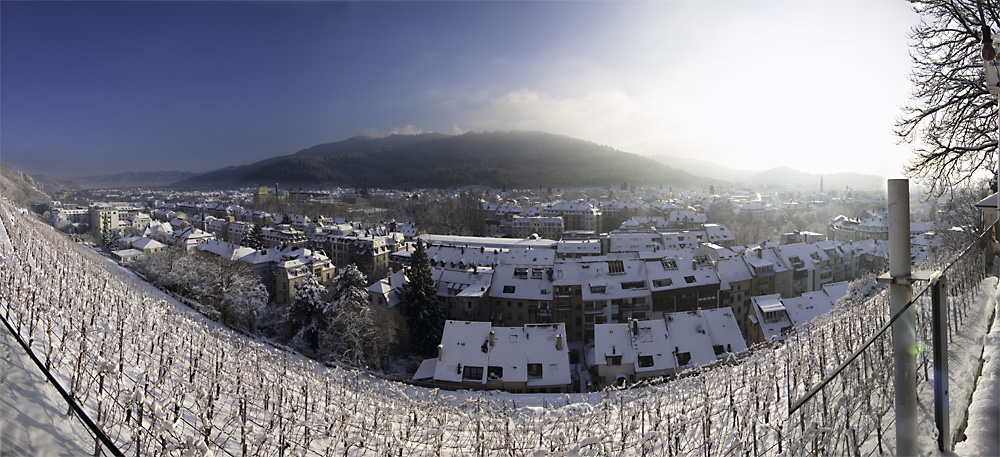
{"x":852,"y":409}
{"x":160,"y":380}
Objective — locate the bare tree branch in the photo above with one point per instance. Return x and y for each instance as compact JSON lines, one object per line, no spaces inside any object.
{"x":951,"y":120}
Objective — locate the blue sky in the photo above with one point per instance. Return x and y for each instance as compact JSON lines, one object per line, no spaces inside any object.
{"x":101,"y":87}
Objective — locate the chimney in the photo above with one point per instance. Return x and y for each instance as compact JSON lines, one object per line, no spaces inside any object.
{"x":493,"y":340}
{"x":440,"y":353}
{"x":389,"y":278}
{"x":635,"y":327}
{"x":559,"y":342}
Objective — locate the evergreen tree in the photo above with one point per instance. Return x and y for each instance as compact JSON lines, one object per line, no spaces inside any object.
{"x":423,"y":315}
{"x":108,"y":240}
{"x":253,"y":238}
{"x":350,"y":336}
{"x":306,"y":317}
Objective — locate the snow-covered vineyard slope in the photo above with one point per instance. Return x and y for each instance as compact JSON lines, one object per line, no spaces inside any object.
{"x":161,"y":380}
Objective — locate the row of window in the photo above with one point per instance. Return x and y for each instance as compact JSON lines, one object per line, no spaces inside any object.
{"x":496,"y":373}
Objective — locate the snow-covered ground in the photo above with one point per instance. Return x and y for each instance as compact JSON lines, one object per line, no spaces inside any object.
{"x":982,"y":436}
{"x":162,"y":380}
{"x":35,"y":420}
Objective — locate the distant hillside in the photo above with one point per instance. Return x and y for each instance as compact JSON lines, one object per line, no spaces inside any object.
{"x":54,"y":186}
{"x":781,"y":176}
{"x":496,"y":159}
{"x":20,"y":188}
{"x":133,"y":179}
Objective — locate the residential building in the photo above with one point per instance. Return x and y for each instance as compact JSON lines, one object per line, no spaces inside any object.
{"x":284,"y":235}
{"x":189,"y":238}
{"x":578,"y":215}
{"x":550,"y":228}
{"x":642,"y":349}
{"x":294,"y":267}
{"x":533,"y":358}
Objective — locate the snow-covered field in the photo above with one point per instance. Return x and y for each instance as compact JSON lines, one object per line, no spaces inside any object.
{"x":162,"y":380}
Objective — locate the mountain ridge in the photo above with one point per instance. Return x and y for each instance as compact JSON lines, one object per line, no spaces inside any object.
{"x":784,"y":175}
{"x":433,"y":160}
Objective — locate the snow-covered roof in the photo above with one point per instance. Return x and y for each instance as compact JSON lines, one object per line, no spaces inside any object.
{"x":524,"y":283}
{"x":724,"y":330}
{"x":836,"y":290}
{"x":680,"y":273}
{"x":463,"y":283}
{"x":147,"y":243}
{"x":661,"y":345}
{"x":463,"y":344}
{"x":612,"y":340}
{"x":226,"y":250}
{"x":587,"y":247}
{"x":487,"y":242}
{"x":770,"y":326}
{"x":546,"y":345}
{"x":689,"y":334}
{"x":508,"y":353}
{"x":604,"y":279}
{"x":527,"y":257}
{"x":124,"y":253}
{"x":461,"y":256}
{"x":510,"y":349}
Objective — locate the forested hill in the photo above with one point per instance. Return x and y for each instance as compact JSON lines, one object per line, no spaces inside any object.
{"x":496,"y":159}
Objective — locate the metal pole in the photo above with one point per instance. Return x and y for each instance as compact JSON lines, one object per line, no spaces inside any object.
{"x":900,"y":294}
{"x":939,"y":311}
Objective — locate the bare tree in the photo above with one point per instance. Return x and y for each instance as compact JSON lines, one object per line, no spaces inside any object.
{"x":952,"y":119}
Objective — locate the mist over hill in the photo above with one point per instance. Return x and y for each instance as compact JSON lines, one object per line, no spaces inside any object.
{"x":787,"y":177}
{"x":434,"y":160}
{"x":132,"y":179}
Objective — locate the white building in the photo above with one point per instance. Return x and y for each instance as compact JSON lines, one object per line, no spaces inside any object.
{"x":475,"y":355}
{"x":628,"y":352}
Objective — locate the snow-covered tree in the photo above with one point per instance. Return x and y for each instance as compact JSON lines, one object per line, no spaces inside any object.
{"x":243,"y":299}
{"x":423,"y":315}
{"x":254,"y":237}
{"x":306,"y":317}
{"x":351,"y":332}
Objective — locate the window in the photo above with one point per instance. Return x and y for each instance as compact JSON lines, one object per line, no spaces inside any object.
{"x":669,"y":264}
{"x":689,"y":279}
{"x":662,"y":282}
{"x":614,"y":360}
{"x":718,"y":349}
{"x":508,"y":289}
{"x":597,"y":289}
{"x":534,"y":369}
{"x":645,"y":361}
{"x":521,"y":273}
{"x":536,"y":273}
{"x":633,"y":285}
{"x":683,"y":358}
{"x":472,"y":373}
{"x":494,"y":373}
{"x":616,"y":267}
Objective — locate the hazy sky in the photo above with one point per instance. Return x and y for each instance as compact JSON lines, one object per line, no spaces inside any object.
{"x":101,"y":87}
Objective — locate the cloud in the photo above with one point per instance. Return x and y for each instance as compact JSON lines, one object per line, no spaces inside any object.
{"x":405,"y":130}
{"x":613,"y":117}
